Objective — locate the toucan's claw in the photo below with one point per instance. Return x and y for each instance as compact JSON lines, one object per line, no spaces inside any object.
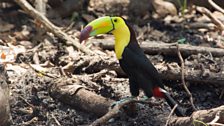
{"x":144,"y":98}
{"x":121,"y":101}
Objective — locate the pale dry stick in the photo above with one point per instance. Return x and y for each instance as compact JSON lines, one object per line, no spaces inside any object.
{"x":56,"y":120}
{"x":41,"y":6}
{"x":214,"y":122}
{"x":200,"y":116}
{"x":183,"y":79}
{"x":216,"y":21}
{"x":217,"y":7}
{"x":217,"y":117}
{"x":41,"y":72}
{"x":171,"y":113}
{"x":50,"y":26}
{"x":116,"y":109}
{"x":26,"y":101}
{"x":28,"y":123}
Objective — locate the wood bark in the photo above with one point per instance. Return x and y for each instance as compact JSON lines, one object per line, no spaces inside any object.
{"x":4,"y":97}
{"x":205,"y":116}
{"x":41,"y":6}
{"x":70,"y":92}
{"x":4,"y":105}
{"x":193,"y":76}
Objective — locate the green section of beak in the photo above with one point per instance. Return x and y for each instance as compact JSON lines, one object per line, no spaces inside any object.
{"x":101,"y":26}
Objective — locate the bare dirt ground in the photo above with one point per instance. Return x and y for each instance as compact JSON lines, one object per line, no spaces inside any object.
{"x":32,"y":104}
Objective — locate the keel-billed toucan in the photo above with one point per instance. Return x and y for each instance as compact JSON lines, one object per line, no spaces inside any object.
{"x":141,"y":72}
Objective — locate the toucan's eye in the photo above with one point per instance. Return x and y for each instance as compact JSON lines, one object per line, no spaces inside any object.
{"x":115,"y":20}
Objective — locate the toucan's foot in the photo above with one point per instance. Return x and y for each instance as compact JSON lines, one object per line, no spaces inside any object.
{"x":121,"y":101}
{"x":130,"y":109}
{"x":144,"y":98}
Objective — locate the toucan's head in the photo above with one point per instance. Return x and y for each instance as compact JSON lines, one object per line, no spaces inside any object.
{"x":102,"y":25}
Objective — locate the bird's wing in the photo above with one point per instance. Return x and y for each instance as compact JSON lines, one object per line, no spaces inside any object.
{"x":139,"y":61}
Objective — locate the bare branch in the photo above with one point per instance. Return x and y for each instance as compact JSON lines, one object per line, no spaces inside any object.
{"x":51,"y":27}
{"x":204,"y":116}
{"x":213,"y":4}
{"x":171,"y":113}
{"x":216,"y":21}
{"x":164,"y":48}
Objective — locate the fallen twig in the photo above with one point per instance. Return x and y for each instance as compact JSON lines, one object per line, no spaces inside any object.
{"x":41,"y":6}
{"x":42,"y":72}
{"x":204,"y":116}
{"x":55,"y":119}
{"x":215,"y":124}
{"x":171,"y":113}
{"x":51,"y":27}
{"x":216,"y":119}
{"x":183,"y":79}
{"x":216,"y":21}
{"x":33,"y":120}
{"x":213,"y":4}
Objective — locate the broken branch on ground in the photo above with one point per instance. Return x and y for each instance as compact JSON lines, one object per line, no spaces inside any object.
{"x":77,"y":96}
{"x":163,"y":48}
{"x":216,"y":21}
{"x":205,"y":116}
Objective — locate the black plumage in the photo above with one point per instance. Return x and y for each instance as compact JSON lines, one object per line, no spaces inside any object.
{"x":141,"y":72}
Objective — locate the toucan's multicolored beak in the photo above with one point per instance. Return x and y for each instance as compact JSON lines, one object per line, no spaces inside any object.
{"x":99,"y":26}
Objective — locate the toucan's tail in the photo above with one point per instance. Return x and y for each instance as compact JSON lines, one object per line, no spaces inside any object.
{"x":162,"y":93}
{"x":178,"y":111}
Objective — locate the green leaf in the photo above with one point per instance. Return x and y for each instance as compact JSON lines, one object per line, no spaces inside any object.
{"x":182,"y":41}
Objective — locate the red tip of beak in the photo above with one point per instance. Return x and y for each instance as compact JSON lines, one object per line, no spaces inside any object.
{"x":85,"y":33}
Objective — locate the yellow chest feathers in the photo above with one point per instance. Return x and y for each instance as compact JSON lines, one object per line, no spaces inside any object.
{"x":122,"y":38}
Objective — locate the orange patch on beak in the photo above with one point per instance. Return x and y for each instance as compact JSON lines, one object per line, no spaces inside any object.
{"x":3,"y":56}
{"x":104,"y":24}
